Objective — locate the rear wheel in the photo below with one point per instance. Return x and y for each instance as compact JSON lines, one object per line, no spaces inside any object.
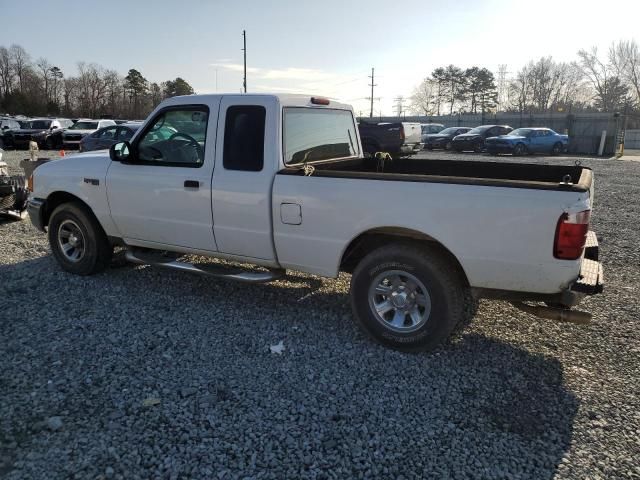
{"x":49,"y":144}
{"x":77,"y":240}
{"x":407,"y":297}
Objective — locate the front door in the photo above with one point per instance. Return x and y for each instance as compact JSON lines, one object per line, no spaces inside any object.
{"x":163,"y":195}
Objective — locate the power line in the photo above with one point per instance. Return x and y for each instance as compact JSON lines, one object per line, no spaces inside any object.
{"x":399,"y":106}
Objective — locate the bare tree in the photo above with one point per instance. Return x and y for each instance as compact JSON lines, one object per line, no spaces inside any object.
{"x":44,"y":68}
{"x":624,"y":56}
{"x":599,"y":75}
{"x":424,"y":99}
{"x":6,"y":72}
{"x":20,"y":63}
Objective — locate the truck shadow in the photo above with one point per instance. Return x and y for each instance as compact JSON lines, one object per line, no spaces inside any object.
{"x":479,"y":406}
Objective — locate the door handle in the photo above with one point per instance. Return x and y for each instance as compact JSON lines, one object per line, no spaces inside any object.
{"x":191,"y":184}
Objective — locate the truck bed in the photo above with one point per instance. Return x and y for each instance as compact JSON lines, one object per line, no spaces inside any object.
{"x":499,"y":174}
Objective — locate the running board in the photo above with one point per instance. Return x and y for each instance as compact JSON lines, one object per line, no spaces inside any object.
{"x":144,"y":258}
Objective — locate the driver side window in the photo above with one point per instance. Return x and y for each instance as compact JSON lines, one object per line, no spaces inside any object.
{"x":176,"y":138}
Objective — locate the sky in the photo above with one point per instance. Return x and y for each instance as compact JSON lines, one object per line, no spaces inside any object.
{"x":323,"y":47}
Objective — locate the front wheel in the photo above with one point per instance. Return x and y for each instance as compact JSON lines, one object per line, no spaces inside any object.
{"x":77,"y":240}
{"x":407,"y":296}
{"x":519,"y":150}
{"x":477,"y":147}
{"x":557,"y":149}
{"x":448,"y":146}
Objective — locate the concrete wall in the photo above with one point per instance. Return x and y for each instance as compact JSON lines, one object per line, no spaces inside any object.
{"x":632,"y":139}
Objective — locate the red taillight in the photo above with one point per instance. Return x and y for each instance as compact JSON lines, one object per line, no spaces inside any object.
{"x":571,"y":235}
{"x":402,"y":137}
{"x":319,"y":101}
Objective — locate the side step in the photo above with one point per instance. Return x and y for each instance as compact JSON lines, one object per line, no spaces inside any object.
{"x":157,"y":260}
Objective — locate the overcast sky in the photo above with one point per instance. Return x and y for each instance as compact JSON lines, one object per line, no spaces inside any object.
{"x":322,"y":47}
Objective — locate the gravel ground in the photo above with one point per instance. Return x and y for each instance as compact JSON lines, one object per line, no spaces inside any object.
{"x":140,"y":373}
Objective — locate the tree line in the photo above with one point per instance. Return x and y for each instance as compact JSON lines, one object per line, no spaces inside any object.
{"x":39,"y":88}
{"x":607,"y":82}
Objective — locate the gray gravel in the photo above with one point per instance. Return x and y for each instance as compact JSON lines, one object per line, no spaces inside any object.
{"x":140,"y":373}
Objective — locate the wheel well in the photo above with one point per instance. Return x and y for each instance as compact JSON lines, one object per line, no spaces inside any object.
{"x":56,"y":199}
{"x":372,"y":239}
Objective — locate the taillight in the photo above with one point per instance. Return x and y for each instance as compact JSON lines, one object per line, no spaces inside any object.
{"x":402,"y":137}
{"x":571,"y":235}
{"x":30,"y":183}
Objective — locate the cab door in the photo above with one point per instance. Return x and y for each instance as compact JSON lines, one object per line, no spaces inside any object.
{"x":243,"y":177}
{"x":162,"y":195}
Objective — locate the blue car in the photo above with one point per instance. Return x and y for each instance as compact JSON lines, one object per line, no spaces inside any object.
{"x":522,"y":141}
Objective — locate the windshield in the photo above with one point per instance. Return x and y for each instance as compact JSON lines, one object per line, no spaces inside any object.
{"x":521,"y":132}
{"x":312,"y":134}
{"x":84,"y":126}
{"x":40,"y":124}
{"x":479,"y":129}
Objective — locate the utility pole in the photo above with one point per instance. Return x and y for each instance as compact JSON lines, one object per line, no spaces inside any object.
{"x":372,"y":84}
{"x":244,"y":50}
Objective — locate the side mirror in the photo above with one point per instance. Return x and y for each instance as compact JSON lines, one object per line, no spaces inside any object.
{"x":120,"y":152}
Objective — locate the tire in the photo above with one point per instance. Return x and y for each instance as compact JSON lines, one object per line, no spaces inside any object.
{"x":519,"y":150}
{"x":492,"y":151}
{"x":436,"y":304}
{"x":448,"y":146}
{"x":86,"y":248}
{"x":49,"y":144}
{"x":477,"y":147}
{"x":428,"y":147}
{"x":556,"y":149}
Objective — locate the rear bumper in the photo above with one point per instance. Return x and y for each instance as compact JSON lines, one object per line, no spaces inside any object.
{"x":411,"y":148}
{"x":590,"y":281}
{"x":35,"y":207}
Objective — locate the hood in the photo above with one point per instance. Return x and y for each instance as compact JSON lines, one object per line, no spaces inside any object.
{"x":468,"y":136}
{"x":508,"y":137}
{"x":30,"y":131}
{"x":81,"y":132}
{"x":433,"y":136}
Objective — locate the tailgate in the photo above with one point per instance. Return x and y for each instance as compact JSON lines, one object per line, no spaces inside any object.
{"x":412,"y":132}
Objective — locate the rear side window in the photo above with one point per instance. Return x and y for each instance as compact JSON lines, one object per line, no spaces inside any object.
{"x":244,"y":138}
{"x":314,"y":134}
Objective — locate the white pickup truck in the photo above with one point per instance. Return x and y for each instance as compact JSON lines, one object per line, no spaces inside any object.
{"x":280,"y":182}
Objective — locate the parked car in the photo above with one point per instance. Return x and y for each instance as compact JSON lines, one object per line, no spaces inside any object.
{"x":7,"y":124}
{"x":47,"y":132}
{"x":13,"y":193}
{"x":292,"y":190}
{"x":72,"y":136}
{"x":430,"y":128}
{"x":474,"y":138}
{"x":107,"y":136}
{"x":528,"y":140}
{"x":398,"y":139}
{"x":444,"y":138}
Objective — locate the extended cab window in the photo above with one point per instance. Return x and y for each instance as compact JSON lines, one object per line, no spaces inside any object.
{"x":313,"y":134}
{"x":244,"y":138}
{"x":175,"y":138}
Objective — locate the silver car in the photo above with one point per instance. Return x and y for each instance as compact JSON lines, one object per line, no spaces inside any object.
{"x":72,"y":136}
{"x":107,"y":136}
